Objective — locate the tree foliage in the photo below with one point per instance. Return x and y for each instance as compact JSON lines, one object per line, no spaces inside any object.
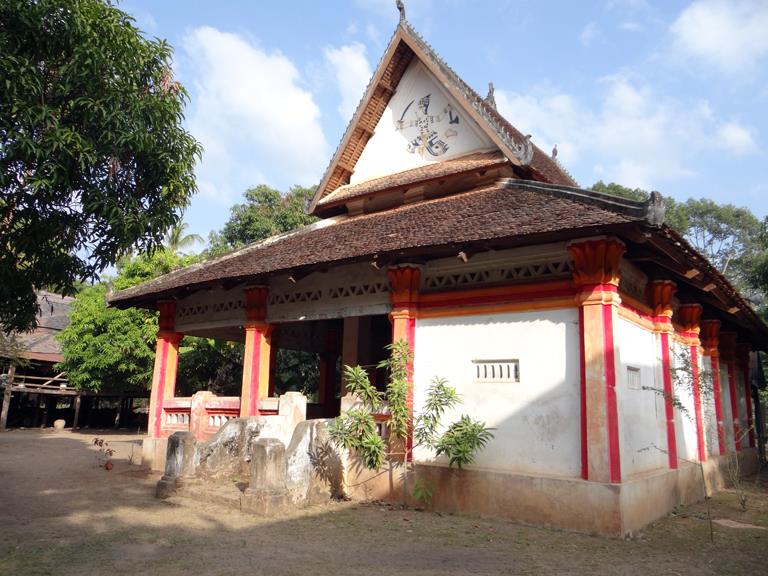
{"x":728,"y":236}
{"x":355,"y":429}
{"x":107,"y":347}
{"x":94,"y":160}
{"x":264,"y":213}
{"x":177,"y":240}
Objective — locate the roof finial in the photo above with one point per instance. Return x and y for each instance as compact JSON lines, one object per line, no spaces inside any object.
{"x":401,"y":8}
{"x":490,"y":98}
{"x":554,"y":152}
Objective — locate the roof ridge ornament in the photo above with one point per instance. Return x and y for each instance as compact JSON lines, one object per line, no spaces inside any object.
{"x":655,"y":209}
{"x":490,"y":98}
{"x":401,"y":8}
{"x":523,"y":150}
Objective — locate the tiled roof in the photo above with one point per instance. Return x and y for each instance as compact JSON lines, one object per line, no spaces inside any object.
{"x":466,"y":163}
{"x":509,"y":208}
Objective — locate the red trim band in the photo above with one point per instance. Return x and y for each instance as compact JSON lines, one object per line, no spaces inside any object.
{"x":163,"y":345}
{"x":583,"y":398}
{"x":734,"y":405}
{"x":717,"y":392}
{"x":253,"y":385}
{"x":611,"y":409}
{"x":669,"y":408}
{"x":697,"y":404}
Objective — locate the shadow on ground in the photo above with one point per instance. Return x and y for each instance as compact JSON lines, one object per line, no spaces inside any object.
{"x":62,"y":514}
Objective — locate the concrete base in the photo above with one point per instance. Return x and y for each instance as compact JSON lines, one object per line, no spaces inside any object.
{"x":153,"y":453}
{"x":264,"y":502}
{"x":166,"y":487}
{"x":575,"y":504}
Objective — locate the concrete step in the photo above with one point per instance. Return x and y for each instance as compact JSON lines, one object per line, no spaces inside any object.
{"x":227,"y":495}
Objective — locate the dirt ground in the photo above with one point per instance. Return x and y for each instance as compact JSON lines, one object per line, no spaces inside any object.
{"x":60,"y":513}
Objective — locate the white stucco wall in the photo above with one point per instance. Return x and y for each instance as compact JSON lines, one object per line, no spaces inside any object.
{"x":537,"y":419}
{"x":387,"y":151}
{"x":685,"y":420}
{"x":640,"y":405}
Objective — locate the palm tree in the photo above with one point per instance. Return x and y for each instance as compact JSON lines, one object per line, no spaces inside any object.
{"x":176,"y":240}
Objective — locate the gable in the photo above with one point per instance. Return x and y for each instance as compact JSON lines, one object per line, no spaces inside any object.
{"x":404,"y":49}
{"x":421,"y":124}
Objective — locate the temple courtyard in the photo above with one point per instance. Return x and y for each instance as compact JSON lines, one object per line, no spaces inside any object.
{"x":61,"y":513}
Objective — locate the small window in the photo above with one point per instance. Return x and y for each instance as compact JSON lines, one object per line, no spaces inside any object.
{"x":633,"y":378}
{"x":496,"y":370}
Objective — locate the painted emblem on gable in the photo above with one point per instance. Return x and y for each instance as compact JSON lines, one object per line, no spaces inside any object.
{"x":428,"y":134}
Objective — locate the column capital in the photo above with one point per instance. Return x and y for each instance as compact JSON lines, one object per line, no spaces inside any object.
{"x":404,"y":286}
{"x":710,"y":332}
{"x":596,"y":262}
{"x":167,"y":318}
{"x":688,"y":317}
{"x":256,"y":303}
{"x":660,"y":294}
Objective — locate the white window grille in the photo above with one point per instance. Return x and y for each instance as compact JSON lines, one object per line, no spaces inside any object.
{"x":633,"y":378}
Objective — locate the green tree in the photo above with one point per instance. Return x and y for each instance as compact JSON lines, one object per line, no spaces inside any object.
{"x":727,"y":235}
{"x":106,"y":347}
{"x":264,"y":213}
{"x":176,"y":239}
{"x":94,"y":161}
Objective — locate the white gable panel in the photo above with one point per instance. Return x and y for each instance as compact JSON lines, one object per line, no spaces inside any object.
{"x":421,"y":125}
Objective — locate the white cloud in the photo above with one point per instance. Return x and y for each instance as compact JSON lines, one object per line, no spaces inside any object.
{"x":249,"y":111}
{"x":731,"y":35}
{"x":634,"y":136}
{"x":631,"y":26}
{"x":736,"y":138}
{"x":352,"y":73}
{"x":588,"y":34}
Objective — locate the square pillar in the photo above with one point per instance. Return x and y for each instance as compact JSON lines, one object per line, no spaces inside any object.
{"x":166,"y":366}
{"x":661,"y":292}
{"x":728,"y":356}
{"x":257,"y":356}
{"x":742,"y":359}
{"x":689,"y":320}
{"x":596,"y":276}
{"x":710,"y":331}
{"x":404,"y":295}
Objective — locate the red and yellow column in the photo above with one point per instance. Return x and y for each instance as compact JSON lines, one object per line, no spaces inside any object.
{"x":404,"y":296}
{"x":166,"y":366}
{"x":689,"y":321}
{"x":710,"y":332}
{"x":660,"y":294}
{"x":728,"y":356}
{"x":742,"y":358}
{"x":256,"y":357}
{"x":596,"y":275}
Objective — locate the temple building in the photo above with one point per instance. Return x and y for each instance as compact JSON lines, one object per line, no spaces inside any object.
{"x":578,"y":325}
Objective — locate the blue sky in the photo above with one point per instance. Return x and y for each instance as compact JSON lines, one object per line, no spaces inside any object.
{"x":657,"y":94}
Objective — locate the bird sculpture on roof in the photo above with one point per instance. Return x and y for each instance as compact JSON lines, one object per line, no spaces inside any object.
{"x":401,"y":8}
{"x":554,"y":152}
